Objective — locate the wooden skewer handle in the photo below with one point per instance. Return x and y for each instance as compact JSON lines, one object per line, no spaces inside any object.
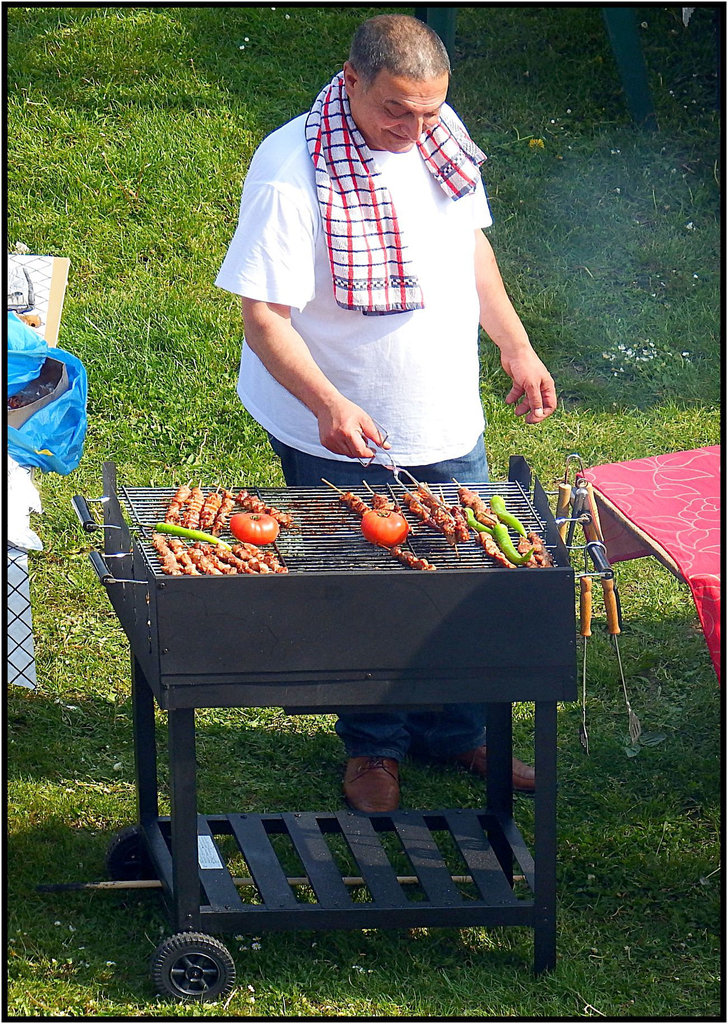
{"x":562,"y":508}
{"x":591,"y":504}
{"x":585,"y":605}
{"x":612,"y":609}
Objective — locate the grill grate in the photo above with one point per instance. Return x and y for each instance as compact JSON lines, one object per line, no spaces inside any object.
{"x":328,"y":537}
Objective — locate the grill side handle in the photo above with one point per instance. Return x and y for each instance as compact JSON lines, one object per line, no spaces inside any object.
{"x":102,"y":570}
{"x":83,"y":512}
{"x":598,"y":553}
{"x":98,"y":561}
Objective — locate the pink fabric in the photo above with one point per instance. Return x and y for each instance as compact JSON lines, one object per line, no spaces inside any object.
{"x":669,"y":506}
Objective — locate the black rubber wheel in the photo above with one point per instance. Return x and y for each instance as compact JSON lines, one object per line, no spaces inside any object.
{"x":191,"y":966}
{"x":126,"y":858}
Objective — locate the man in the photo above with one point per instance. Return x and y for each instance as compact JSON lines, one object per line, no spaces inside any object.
{"x":364,"y":273}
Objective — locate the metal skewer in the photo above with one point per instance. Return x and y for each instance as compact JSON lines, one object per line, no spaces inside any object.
{"x":585,"y":607}
{"x":593,"y":532}
{"x":610,"y":603}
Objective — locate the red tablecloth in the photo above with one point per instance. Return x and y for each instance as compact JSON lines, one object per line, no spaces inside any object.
{"x":669,"y":506}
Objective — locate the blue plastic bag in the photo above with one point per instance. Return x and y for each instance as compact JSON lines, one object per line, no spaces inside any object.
{"x":52,"y":438}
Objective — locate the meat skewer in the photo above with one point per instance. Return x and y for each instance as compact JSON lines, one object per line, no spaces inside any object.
{"x":251,"y":554}
{"x":226,"y":506}
{"x":209,"y":557}
{"x":481,"y":511}
{"x":166,"y":555}
{"x":381,"y":503}
{"x":349,"y":499}
{"x":460,"y":523}
{"x":462,"y":530}
{"x":491,"y":548}
{"x":441,"y":514}
{"x":360,"y":507}
{"x":191,"y":517}
{"x":210,"y":509}
{"x":177,"y":503}
{"x":202,"y":557}
{"x":411,"y":560}
{"x":436,"y":518}
{"x":541,"y":555}
{"x":182,"y":555}
{"x":252,"y":504}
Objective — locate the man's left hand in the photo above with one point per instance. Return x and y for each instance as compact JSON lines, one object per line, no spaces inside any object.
{"x":533,"y":386}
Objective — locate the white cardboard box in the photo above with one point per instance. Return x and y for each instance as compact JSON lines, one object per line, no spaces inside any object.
{"x":50,"y":277}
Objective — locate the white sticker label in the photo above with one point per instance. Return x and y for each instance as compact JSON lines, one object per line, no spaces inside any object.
{"x":207,"y":855}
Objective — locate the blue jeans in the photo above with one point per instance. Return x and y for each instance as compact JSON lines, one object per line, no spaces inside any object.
{"x":436,"y":734}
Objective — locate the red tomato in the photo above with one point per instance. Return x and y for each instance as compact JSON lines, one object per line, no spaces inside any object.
{"x":254,"y":528}
{"x":384,"y":527}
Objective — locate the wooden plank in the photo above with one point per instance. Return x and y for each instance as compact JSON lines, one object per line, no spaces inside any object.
{"x":59,"y":280}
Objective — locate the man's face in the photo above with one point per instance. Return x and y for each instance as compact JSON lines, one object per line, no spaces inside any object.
{"x":393,"y":112}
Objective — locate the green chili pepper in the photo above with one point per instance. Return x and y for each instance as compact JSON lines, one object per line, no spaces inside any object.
{"x":499,"y":508}
{"x":504,"y":542}
{"x":180,"y":531}
{"x":474,"y":524}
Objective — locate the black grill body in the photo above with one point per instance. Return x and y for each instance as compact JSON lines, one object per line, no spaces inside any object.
{"x":348,"y":617}
{"x":350,"y":628}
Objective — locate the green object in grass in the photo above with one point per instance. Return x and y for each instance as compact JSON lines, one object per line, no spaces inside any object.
{"x":180,"y":531}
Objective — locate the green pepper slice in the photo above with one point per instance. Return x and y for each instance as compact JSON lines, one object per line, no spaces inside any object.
{"x":181,"y":531}
{"x":504,"y":542}
{"x":499,"y":508}
{"x":474,"y":524}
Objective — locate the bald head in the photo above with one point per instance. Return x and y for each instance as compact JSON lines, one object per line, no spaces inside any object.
{"x":403,"y":46}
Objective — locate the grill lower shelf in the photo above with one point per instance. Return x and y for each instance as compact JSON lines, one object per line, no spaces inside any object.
{"x":423,"y":844}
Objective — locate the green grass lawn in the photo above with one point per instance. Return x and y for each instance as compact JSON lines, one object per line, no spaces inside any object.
{"x":129,"y":133}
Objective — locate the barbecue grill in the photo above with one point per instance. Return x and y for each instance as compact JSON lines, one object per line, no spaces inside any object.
{"x":471,"y":631}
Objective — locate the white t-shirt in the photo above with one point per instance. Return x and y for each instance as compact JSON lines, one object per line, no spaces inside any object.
{"x":415,"y":373}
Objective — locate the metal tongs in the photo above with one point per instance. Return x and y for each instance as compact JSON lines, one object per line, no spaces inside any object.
{"x":384,"y":458}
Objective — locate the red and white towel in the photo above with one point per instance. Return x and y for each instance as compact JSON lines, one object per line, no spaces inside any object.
{"x":370,"y":267}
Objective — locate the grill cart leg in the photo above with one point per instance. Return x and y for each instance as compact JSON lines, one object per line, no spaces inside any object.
{"x":499,"y":731}
{"x":183,"y":784}
{"x":544,"y":928}
{"x":145,"y":750}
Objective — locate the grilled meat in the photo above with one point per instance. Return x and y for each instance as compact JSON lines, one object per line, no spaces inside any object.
{"x":252,"y":504}
{"x":177,"y":503}
{"x":409,"y":559}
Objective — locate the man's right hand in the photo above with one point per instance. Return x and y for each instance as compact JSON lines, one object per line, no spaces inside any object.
{"x":346,"y":429}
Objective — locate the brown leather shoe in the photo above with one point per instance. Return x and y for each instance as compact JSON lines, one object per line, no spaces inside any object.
{"x":371,"y":784}
{"x":523,"y":775}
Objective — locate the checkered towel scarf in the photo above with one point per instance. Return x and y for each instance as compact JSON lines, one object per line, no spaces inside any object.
{"x":369,"y":263}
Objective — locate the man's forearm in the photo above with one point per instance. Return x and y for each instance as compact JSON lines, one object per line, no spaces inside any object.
{"x":498,"y":318}
{"x":533,"y":391}
{"x":269,"y":333}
